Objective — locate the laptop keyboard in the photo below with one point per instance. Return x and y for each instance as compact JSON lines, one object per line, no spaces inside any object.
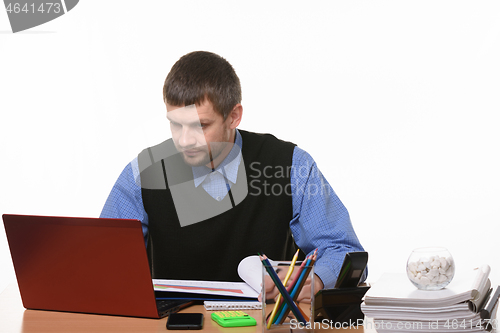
{"x":168,"y":306}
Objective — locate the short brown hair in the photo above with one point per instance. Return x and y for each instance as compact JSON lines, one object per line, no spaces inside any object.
{"x":202,"y":75}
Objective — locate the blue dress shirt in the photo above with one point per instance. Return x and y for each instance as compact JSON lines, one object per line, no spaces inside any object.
{"x":320,"y":220}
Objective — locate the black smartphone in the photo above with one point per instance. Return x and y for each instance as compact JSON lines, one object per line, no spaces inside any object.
{"x":185,"y":321}
{"x":352,"y":269}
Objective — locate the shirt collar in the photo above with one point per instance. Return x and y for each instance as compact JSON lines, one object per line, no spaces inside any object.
{"x":228,"y":168}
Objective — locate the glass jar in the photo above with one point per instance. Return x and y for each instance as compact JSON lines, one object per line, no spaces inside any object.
{"x":430,"y":268}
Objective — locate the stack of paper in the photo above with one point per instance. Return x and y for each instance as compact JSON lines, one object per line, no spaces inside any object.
{"x":396,"y":305}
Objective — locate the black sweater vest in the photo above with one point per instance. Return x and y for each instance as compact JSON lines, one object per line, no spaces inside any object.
{"x":211,"y":249}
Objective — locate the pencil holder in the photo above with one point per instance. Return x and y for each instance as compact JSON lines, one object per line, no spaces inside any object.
{"x":277,"y":310}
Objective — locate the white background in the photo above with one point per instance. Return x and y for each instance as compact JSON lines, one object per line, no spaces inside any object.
{"x":397,"y":101}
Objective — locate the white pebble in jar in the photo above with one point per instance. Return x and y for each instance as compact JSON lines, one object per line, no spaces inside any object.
{"x":430,"y":268}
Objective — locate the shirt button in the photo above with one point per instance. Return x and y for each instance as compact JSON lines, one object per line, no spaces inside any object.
{"x":218,"y":198}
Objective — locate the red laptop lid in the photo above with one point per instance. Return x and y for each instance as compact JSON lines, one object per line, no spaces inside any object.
{"x":85,"y":265}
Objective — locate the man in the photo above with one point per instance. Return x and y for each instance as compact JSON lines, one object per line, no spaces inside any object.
{"x":213,"y":195}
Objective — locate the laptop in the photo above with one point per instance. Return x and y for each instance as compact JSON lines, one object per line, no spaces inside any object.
{"x":88,"y":265}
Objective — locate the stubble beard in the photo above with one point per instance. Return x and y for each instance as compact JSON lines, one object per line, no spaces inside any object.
{"x":194,"y":162}
{"x":208,"y":155}
{"x":210,"y":152}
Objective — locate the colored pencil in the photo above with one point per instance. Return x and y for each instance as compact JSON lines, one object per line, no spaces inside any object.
{"x":292,"y":284}
{"x":287,"y":277}
{"x":282,"y":289}
{"x":298,"y":287}
{"x":303,"y":313}
{"x":284,"y":309}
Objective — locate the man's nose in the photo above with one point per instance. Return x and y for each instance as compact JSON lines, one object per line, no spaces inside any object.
{"x":187,"y":138}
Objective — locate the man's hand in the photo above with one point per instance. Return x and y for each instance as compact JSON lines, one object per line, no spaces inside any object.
{"x":305,"y":293}
{"x":270,"y":288}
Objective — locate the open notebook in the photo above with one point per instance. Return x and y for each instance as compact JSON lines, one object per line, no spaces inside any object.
{"x":219,"y":295}
{"x":249,"y":270}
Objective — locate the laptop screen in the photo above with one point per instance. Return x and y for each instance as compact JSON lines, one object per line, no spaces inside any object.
{"x":85,"y":265}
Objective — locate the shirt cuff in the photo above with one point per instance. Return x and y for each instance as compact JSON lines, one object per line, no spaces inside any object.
{"x":326,"y":276}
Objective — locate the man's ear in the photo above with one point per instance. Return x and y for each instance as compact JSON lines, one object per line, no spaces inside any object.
{"x":234,"y":117}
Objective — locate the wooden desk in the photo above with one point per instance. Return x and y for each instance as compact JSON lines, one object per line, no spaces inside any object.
{"x":14,"y":318}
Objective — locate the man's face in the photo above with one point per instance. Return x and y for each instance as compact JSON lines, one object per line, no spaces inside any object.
{"x":199,"y":133}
